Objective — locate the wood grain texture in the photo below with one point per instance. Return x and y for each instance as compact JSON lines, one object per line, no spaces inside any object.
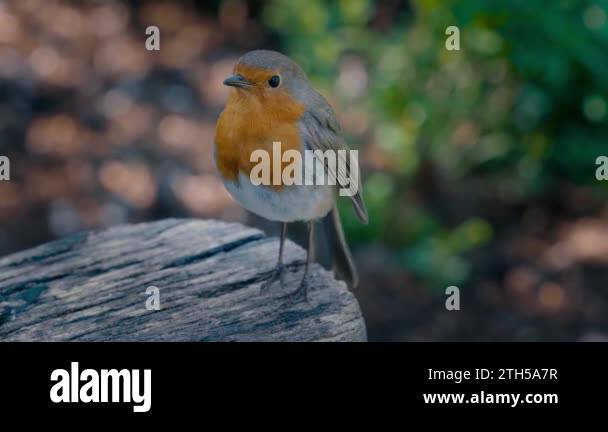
{"x":91,"y":287}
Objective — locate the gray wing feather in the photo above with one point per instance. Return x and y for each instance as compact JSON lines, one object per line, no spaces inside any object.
{"x":321,"y":131}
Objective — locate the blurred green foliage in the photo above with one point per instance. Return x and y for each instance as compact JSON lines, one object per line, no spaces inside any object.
{"x":520,"y":110}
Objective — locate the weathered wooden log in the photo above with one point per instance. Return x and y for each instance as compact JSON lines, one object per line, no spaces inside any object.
{"x":92,"y":287}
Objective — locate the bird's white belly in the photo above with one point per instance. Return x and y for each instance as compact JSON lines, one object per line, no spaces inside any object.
{"x":289,"y":204}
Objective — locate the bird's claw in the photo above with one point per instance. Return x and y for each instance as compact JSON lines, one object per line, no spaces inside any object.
{"x":277,"y":273}
{"x":299,"y":295}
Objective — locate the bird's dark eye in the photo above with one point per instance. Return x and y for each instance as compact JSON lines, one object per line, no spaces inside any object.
{"x":274,"y":81}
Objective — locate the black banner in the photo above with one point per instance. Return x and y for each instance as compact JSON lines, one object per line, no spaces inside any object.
{"x":162,"y":380}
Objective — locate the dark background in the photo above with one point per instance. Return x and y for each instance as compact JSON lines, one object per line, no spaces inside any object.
{"x":479,"y":164}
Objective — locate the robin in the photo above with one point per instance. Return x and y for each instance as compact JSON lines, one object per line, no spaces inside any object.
{"x":272,"y":101}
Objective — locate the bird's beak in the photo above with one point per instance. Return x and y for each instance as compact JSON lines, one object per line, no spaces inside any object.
{"x":237,"y":81}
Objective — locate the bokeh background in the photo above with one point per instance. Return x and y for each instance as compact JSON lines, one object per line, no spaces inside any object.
{"x":479,"y":164}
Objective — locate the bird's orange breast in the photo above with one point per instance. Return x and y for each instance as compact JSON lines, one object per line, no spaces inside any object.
{"x":254,"y":121}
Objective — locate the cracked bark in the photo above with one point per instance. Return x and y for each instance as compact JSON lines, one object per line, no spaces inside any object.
{"x":91,"y":287}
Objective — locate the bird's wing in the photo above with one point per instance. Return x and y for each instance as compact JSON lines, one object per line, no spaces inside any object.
{"x":321,"y":131}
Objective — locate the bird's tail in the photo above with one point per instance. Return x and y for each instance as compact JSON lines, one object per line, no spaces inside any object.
{"x":342,"y":258}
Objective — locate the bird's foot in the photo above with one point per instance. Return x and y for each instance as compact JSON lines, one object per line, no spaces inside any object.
{"x":299,"y":295}
{"x":277,"y":274}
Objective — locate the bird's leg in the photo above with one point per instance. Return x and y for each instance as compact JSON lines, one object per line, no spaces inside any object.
{"x":302,"y":291}
{"x":278,"y":270}
{"x":310,"y":249}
